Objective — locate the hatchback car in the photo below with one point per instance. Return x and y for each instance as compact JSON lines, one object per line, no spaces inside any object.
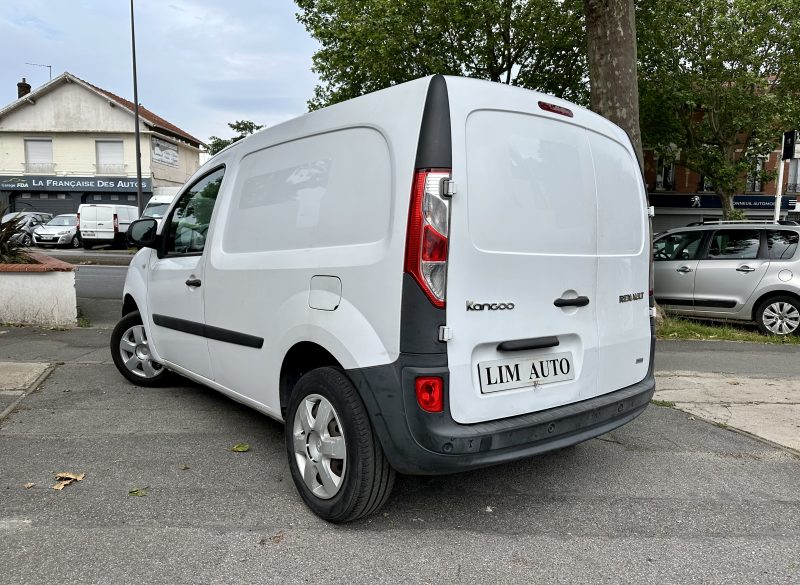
{"x":746,"y":272}
{"x":62,"y":230}
{"x":28,"y":221}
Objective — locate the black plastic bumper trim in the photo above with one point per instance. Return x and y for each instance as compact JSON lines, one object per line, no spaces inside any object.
{"x":208,"y":331}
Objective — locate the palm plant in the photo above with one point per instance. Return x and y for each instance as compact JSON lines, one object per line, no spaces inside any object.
{"x":12,"y":249}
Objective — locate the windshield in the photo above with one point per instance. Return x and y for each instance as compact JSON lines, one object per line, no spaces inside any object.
{"x":63,"y":220}
{"x":9,"y":216}
{"x":155,"y":210}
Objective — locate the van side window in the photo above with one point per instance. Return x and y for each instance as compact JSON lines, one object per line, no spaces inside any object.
{"x":679,"y":246}
{"x":782,"y":244}
{"x":188,"y":224}
{"x":734,"y":245}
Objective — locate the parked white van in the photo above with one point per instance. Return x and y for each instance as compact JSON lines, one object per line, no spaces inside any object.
{"x":158,"y":204}
{"x":439,"y":276}
{"x":104,"y":223}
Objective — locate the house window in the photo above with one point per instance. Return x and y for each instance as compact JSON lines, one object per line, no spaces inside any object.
{"x":754,"y":176}
{"x":109,"y":157}
{"x":706,"y":185}
{"x":39,"y":156}
{"x":665,"y":174}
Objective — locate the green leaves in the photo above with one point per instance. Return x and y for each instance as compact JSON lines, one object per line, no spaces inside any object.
{"x":243,"y":128}
{"x":370,"y":45}
{"x":240,"y":448}
{"x":139,"y":492}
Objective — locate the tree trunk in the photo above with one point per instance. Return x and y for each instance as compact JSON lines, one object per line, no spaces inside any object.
{"x":726,"y":199}
{"x":611,"y":46}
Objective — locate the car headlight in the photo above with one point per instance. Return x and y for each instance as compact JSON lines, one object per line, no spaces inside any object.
{"x":63,"y":233}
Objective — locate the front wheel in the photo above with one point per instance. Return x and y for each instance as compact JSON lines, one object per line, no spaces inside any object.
{"x":75,"y":242}
{"x":779,"y":316}
{"x":131,"y":353}
{"x":27,"y":240}
{"x":335,"y":459}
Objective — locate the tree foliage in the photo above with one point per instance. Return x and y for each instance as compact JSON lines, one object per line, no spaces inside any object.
{"x":719,"y":81}
{"x":368,"y":45}
{"x":243,"y":128}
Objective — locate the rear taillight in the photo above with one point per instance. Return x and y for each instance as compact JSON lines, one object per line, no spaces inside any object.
{"x":428,"y":232}
{"x":78,"y":223}
{"x":430,"y":393}
{"x":116,"y":223}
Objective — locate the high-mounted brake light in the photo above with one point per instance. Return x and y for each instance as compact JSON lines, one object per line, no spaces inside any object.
{"x":428,"y":231}
{"x":116,"y":223}
{"x":548,"y":107}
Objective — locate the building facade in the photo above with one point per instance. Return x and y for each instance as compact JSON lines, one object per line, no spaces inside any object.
{"x":681,"y":196}
{"x":69,"y":142}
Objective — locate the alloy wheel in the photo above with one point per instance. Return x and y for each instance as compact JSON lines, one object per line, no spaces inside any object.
{"x":781,"y":318}
{"x":319,"y":446}
{"x":135,"y":352}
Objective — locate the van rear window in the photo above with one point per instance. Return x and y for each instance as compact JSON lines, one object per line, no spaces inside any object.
{"x":531,"y":185}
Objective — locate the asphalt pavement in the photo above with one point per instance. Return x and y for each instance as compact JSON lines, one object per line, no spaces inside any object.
{"x":668,"y":498}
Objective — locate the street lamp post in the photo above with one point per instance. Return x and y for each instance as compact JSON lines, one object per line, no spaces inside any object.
{"x":139,"y":199}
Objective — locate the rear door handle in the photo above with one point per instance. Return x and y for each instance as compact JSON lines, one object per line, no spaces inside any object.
{"x":195,"y":282}
{"x":683,"y":269}
{"x":576,"y":302}
{"x":745,"y":269}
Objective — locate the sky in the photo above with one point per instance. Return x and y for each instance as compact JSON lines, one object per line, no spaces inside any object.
{"x":200,"y":63}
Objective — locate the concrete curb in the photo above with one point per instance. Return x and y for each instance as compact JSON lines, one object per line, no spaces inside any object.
{"x":34,"y":386}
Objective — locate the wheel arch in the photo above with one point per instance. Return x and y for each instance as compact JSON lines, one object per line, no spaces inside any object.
{"x":129,"y":305}
{"x":769,"y":294}
{"x":301,"y":358}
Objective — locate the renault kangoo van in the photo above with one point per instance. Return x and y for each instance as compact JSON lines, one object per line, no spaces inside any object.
{"x":439,"y":276}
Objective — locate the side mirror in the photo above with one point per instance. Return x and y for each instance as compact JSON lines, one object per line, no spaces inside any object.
{"x":142,"y":233}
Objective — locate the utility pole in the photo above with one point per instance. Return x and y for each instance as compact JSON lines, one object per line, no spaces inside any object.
{"x":139,"y":198}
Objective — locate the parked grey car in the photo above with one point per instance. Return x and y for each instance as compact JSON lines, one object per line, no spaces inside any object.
{"x":62,"y":230}
{"x":739,"y":271}
{"x":28,"y":221}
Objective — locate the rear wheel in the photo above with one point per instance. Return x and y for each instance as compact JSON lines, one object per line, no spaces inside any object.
{"x":75,"y":242}
{"x":779,"y":316}
{"x":336,"y":461}
{"x":131,"y":353}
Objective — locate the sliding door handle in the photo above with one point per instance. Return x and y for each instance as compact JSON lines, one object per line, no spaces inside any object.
{"x":195,"y":282}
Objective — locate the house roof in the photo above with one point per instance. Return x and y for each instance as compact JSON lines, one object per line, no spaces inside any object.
{"x":149,"y":118}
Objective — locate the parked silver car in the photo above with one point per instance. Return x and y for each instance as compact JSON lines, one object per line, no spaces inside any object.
{"x":62,"y":230}
{"x":739,"y":271}
{"x":28,"y":221}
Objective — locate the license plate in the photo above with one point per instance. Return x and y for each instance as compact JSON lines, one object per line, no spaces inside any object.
{"x":87,"y":234}
{"x":45,"y":238}
{"x":508,"y":374}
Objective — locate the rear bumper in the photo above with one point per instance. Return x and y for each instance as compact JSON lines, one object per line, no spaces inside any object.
{"x":421,"y":443}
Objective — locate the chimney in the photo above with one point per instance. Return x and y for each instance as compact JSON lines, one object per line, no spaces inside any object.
{"x":23,"y":88}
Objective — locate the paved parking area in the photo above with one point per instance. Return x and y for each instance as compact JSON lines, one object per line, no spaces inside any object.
{"x":665,"y":499}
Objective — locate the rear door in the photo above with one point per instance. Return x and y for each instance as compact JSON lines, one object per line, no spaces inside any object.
{"x":727,"y":276}
{"x":524,"y":232}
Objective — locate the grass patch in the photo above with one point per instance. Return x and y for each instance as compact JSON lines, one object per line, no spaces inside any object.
{"x":721,"y":425}
{"x":674,"y":327}
{"x":83,"y":320}
{"x":666,"y":403}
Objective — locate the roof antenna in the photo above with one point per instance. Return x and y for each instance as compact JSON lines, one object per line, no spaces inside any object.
{"x":49,"y":67}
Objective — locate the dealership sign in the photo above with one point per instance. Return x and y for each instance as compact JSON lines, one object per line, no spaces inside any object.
{"x":51,"y":183}
{"x":766,"y":202}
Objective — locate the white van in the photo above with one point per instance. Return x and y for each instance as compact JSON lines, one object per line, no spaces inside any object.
{"x":439,"y":276}
{"x":158,"y":204}
{"x":105,"y":223}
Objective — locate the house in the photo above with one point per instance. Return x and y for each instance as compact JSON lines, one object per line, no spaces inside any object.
{"x":70,"y":142}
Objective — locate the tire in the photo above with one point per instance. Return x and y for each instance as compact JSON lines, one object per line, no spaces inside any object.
{"x":779,"y":315}
{"x":130,"y":352}
{"x":75,"y":242}
{"x":344,"y":488}
{"x":27,"y":240}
